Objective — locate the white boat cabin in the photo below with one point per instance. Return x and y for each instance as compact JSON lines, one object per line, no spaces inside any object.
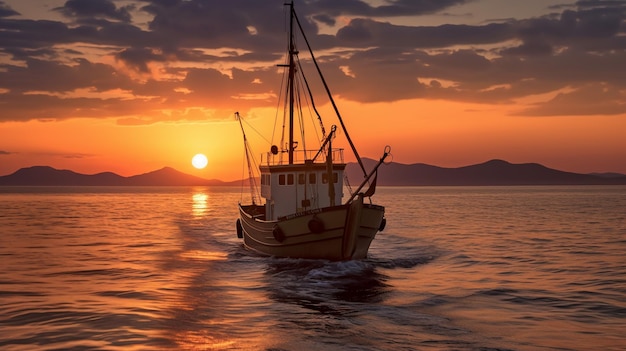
{"x":294,"y":188}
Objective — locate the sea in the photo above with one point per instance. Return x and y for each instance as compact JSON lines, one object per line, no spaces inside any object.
{"x":456,"y":268}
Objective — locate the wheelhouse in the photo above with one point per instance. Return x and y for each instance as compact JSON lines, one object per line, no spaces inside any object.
{"x":300,"y":187}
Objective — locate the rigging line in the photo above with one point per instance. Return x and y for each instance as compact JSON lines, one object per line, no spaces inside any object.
{"x":310,"y":113}
{"x":304,"y":101}
{"x":243,"y":171}
{"x":297,"y":86}
{"x":256,"y":131}
{"x":285,"y":116}
{"x":243,"y":165}
{"x":309,"y":104}
{"x":282,"y":99}
{"x":252,"y":164}
{"x":308,"y":89}
{"x":280,"y":94}
{"x":251,"y":176}
{"x":347,"y":184}
{"x":254,"y":188}
{"x":300,"y":116}
{"x":285,"y":102}
{"x":345,"y":131}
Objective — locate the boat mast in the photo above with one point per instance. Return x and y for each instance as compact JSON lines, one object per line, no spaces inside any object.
{"x":290,"y":83}
{"x":330,"y":96}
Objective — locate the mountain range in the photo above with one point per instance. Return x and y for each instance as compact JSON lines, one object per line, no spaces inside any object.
{"x":48,"y":176}
{"x":494,"y":172}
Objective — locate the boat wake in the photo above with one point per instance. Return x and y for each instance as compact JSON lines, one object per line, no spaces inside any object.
{"x":317,"y":284}
{"x":391,"y":251}
{"x":325,"y":287}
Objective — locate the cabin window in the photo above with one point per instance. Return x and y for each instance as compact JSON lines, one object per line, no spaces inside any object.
{"x":325,"y":178}
{"x":301,"y":178}
{"x":289,"y":179}
{"x":312,"y":178}
{"x":281,"y":179}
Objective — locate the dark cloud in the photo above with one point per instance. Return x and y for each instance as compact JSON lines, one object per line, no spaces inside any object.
{"x":592,"y":99}
{"x":94,"y":9}
{"x":6,"y":11}
{"x":29,"y":34}
{"x":217,"y":24}
{"x":219,"y":55}
{"x":77,"y":155}
{"x":2,"y":152}
{"x":55,"y":77}
{"x":391,"y":8}
{"x":139,"y":57}
{"x":367,"y":33}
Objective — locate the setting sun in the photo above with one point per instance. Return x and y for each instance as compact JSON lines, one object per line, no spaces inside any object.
{"x":199,"y":161}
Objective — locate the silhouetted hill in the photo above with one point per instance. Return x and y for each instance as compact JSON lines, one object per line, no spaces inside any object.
{"x":44,"y":175}
{"x":169,"y":176}
{"x":48,"y":176}
{"x":494,"y":172}
{"x":608,"y":175}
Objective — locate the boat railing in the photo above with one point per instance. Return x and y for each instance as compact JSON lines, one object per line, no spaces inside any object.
{"x":299,"y":157}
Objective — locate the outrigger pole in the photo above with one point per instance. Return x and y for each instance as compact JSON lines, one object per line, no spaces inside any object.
{"x":386,"y":153}
{"x":252,"y":180}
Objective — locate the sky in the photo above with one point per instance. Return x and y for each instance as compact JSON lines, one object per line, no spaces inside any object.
{"x":131,"y":86}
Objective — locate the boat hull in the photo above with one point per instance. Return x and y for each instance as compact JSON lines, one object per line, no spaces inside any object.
{"x":334,"y":233}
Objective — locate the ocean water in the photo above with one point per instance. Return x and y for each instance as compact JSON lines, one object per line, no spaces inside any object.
{"x":457,"y":268}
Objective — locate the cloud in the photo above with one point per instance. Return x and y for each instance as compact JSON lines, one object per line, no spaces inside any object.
{"x":3,"y":153}
{"x":390,"y":8}
{"x":95,"y":8}
{"x":593,"y":99}
{"x":367,"y":33}
{"x":6,"y":11}
{"x":149,"y":61}
{"x":76,"y":155}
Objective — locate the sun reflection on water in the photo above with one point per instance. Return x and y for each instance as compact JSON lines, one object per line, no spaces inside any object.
{"x":204,"y":255}
{"x":201,"y":340}
{"x":200,"y":203}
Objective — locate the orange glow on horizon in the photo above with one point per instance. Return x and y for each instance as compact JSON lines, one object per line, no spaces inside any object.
{"x":434,"y":132}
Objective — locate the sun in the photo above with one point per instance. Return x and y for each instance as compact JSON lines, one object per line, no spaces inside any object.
{"x":199,"y":161}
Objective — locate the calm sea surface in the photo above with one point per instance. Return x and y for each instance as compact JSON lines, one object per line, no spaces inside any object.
{"x":457,"y":268}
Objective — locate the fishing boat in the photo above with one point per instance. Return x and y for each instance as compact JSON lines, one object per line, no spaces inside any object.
{"x":302,"y":214}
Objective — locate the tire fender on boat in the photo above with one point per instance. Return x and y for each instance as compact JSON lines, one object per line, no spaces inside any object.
{"x":239,"y":229}
{"x":382,"y":225}
{"x":278,"y":233}
{"x":316,"y":225}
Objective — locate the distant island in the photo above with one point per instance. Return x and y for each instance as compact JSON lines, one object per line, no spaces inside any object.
{"x":48,"y":176}
{"x":494,"y":172}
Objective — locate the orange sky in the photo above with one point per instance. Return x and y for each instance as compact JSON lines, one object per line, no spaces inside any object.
{"x":131,"y":86}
